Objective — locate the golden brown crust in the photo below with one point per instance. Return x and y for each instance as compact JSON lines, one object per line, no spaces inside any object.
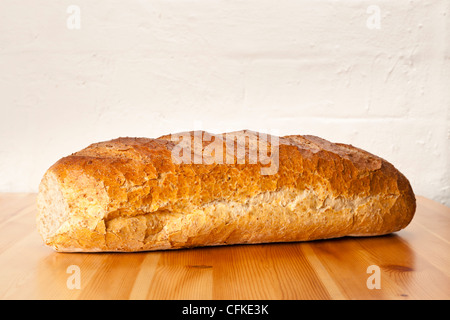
{"x":128,"y":194}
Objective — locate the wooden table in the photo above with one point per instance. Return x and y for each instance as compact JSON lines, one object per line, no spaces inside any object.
{"x":411,"y":264}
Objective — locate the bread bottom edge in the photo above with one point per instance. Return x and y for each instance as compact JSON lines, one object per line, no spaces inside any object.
{"x":219,"y":245}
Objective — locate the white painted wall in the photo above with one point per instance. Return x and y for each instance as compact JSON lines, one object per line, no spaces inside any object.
{"x":147,"y":68}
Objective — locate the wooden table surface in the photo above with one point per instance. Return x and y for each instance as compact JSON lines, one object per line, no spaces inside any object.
{"x":411,"y":264}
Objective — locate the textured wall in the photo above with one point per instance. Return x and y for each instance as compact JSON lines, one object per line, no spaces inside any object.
{"x":375,"y":74}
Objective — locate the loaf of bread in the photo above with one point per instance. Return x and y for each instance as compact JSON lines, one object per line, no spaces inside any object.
{"x":200,"y":189}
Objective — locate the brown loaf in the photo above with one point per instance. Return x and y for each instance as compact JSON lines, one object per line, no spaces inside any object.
{"x":129,"y":194}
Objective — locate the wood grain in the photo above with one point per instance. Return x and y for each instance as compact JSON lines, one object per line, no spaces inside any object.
{"x":414,"y":264}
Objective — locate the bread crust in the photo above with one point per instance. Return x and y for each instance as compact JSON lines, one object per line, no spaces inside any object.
{"x":128,"y":194}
